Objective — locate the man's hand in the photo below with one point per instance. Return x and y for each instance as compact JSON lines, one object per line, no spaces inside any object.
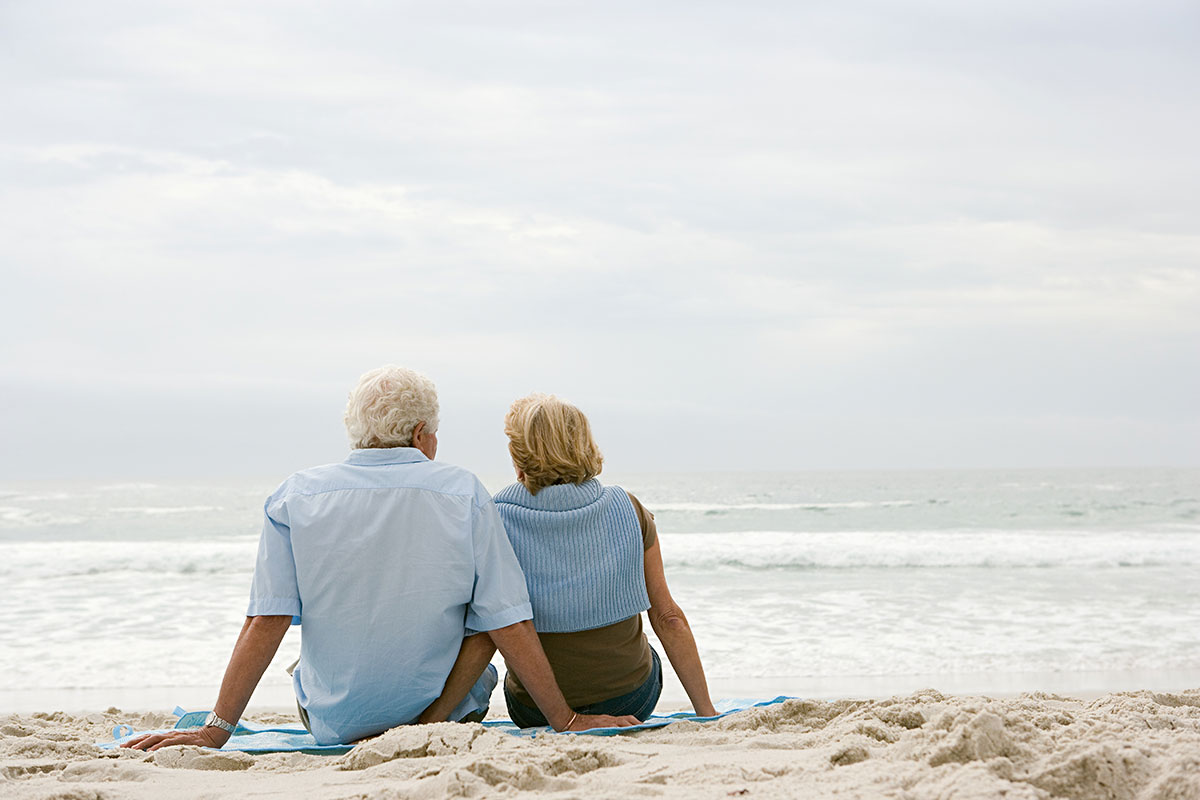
{"x":208,"y":736}
{"x":585,"y":722}
{"x":256,"y":646}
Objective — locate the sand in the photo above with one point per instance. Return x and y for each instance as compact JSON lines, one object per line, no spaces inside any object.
{"x":1135,"y":745}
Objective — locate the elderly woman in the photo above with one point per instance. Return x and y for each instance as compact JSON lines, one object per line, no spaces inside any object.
{"x":593,"y":564}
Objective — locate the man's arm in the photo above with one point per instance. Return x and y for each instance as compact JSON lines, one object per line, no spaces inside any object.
{"x":523,"y":652}
{"x":473,"y":658}
{"x":256,"y":646}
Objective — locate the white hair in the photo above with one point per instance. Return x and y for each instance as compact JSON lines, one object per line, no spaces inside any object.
{"x":387,"y":404}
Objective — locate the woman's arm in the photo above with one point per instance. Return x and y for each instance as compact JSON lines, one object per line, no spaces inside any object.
{"x":473,"y":658}
{"x":672,"y":629}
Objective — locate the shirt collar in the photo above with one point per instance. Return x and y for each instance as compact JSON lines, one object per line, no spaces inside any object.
{"x":385,"y":455}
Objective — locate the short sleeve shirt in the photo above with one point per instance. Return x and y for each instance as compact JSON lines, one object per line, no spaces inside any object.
{"x":385,"y":561}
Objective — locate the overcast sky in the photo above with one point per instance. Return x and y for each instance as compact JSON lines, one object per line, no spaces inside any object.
{"x":739,"y":235}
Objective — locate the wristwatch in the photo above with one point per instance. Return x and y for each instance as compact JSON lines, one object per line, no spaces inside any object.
{"x":216,"y":722}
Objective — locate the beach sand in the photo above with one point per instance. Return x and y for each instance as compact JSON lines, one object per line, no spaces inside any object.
{"x":1136,"y":745}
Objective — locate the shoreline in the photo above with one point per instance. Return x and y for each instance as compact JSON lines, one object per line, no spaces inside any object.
{"x":275,"y":696}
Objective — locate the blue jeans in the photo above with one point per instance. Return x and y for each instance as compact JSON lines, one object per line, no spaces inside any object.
{"x":639,"y":703}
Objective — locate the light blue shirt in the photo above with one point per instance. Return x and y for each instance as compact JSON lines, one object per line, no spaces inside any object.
{"x":386,"y":561}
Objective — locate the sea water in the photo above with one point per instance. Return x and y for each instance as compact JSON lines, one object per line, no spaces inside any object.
{"x":816,"y":584}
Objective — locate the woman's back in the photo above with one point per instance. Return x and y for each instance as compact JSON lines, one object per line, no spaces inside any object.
{"x":580,"y":546}
{"x":592,"y":565}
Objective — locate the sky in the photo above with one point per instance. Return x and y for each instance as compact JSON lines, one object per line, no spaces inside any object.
{"x":740,"y":236}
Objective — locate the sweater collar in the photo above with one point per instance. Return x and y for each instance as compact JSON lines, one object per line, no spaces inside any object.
{"x":561,"y":497}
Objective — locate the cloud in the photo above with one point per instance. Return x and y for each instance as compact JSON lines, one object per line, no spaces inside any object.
{"x":854,"y":217}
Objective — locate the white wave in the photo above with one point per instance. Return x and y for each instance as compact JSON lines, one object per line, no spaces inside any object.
{"x":769,"y":550}
{"x":37,"y":561}
{"x":153,"y":510}
{"x":37,"y":498}
{"x":721,"y":507}
{"x":15,"y":516}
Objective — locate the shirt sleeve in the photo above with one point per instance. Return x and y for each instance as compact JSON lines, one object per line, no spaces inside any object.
{"x":274,"y":590}
{"x":500,"y":597}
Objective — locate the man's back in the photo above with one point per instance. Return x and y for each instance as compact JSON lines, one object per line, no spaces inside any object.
{"x":386,"y":559}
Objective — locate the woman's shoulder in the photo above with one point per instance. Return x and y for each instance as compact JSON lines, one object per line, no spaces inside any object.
{"x":637,"y":504}
{"x":513,"y":493}
{"x":644,"y":517}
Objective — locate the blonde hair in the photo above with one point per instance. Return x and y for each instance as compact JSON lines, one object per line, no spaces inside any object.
{"x":551,"y":442}
{"x":387,"y":404}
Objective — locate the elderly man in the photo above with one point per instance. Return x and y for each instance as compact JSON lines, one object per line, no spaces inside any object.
{"x":394,"y":566}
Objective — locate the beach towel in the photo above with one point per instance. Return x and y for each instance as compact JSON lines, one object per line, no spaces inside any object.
{"x":250,"y":737}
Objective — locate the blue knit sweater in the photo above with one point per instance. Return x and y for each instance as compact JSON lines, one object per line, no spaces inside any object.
{"x":580,"y":546}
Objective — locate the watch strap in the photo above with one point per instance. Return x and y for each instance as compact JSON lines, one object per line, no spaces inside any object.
{"x":216,"y":722}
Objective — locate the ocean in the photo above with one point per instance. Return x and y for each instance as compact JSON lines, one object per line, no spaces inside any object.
{"x":816,"y":584}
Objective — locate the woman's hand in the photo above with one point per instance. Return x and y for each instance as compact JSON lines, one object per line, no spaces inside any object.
{"x":585,"y":722}
{"x":672,"y":629}
{"x":208,"y":736}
